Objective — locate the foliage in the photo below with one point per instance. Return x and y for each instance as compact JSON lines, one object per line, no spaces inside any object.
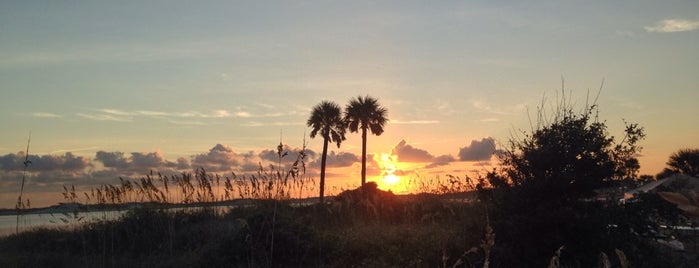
{"x":326,"y":120}
{"x":449,"y":184}
{"x":242,"y":237}
{"x":200,"y":186}
{"x":571,"y":157}
{"x":684,"y":161}
{"x":365,"y":113}
{"x":540,"y":197}
{"x":21,"y":203}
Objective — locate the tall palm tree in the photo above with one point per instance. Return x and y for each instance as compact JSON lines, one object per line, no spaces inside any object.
{"x":326,"y":119}
{"x":365,"y":113}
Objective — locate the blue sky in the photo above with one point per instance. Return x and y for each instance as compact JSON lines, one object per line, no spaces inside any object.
{"x":173,"y":79}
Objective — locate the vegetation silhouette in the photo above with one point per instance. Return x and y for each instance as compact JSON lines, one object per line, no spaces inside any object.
{"x":684,"y":161}
{"x":540,"y":196}
{"x":22,"y":204}
{"x":365,"y":113}
{"x":359,"y":228}
{"x":541,"y":202}
{"x":681,"y":171}
{"x":326,"y":120}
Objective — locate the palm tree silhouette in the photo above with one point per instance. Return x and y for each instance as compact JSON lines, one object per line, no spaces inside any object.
{"x":685,"y":161}
{"x":365,"y":113}
{"x":326,"y":119}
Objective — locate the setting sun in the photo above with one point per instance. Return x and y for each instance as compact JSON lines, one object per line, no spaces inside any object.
{"x":391,"y":179}
{"x":388,"y":163}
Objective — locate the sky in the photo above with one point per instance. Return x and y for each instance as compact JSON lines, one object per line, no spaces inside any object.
{"x":118,"y":88}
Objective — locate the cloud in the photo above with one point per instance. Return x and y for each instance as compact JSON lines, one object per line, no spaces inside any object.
{"x":115,"y":112}
{"x":192,"y":117}
{"x":219,"y":158}
{"x":291,"y":154}
{"x":48,"y":173}
{"x":104,"y":53}
{"x":408,"y":153}
{"x":341,"y":159}
{"x":249,"y":167}
{"x":172,"y":117}
{"x":111,"y":159}
{"x":182,"y":163}
{"x":45,"y":115}
{"x":243,"y":114}
{"x":186,"y":123}
{"x":672,"y":26}
{"x":148,"y":161}
{"x":138,"y":162}
{"x":104,"y":117}
{"x":489,"y":120}
{"x":508,"y":109}
{"x":414,"y":122}
{"x":12,"y":162}
{"x":478,"y":150}
{"x":45,"y":171}
{"x":445,"y":108}
{"x":280,"y":124}
{"x":67,"y":162}
{"x":441,"y":160}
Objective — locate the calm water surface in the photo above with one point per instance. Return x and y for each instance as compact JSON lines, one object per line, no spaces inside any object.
{"x":8,"y":223}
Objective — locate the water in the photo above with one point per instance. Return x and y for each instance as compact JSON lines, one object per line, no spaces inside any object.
{"x":8,"y":223}
{"x":60,"y":219}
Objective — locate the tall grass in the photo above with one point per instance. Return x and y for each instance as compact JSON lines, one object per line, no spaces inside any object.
{"x":449,"y":184}
{"x":200,"y":187}
{"x":22,"y":204}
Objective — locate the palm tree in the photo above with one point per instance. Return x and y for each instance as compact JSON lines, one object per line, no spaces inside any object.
{"x":326,"y":119}
{"x":365,"y":113}
{"x":685,"y":161}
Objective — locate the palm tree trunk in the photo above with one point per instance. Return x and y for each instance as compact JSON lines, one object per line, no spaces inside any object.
{"x":363,"y":156}
{"x":322,"y":169}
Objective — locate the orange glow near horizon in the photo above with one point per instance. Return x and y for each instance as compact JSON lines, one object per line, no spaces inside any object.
{"x":388,"y":180}
{"x":391,"y":179}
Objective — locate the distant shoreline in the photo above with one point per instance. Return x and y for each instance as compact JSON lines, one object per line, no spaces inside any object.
{"x":73,"y":207}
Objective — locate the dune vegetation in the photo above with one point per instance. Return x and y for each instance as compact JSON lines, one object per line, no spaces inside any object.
{"x":540,"y":208}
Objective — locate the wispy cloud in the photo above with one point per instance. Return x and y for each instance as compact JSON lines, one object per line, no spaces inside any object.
{"x":445,"y":108}
{"x":152,"y":113}
{"x":180,"y":118}
{"x":261,"y":124}
{"x":104,"y":117}
{"x":108,"y":53}
{"x":45,"y":115}
{"x":489,"y":120}
{"x":673,"y":25}
{"x":243,"y":114}
{"x":413,"y":122}
{"x":115,"y":112}
{"x":498,"y":109}
{"x":253,"y":124}
{"x":486,"y":108}
{"x":186,"y":123}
